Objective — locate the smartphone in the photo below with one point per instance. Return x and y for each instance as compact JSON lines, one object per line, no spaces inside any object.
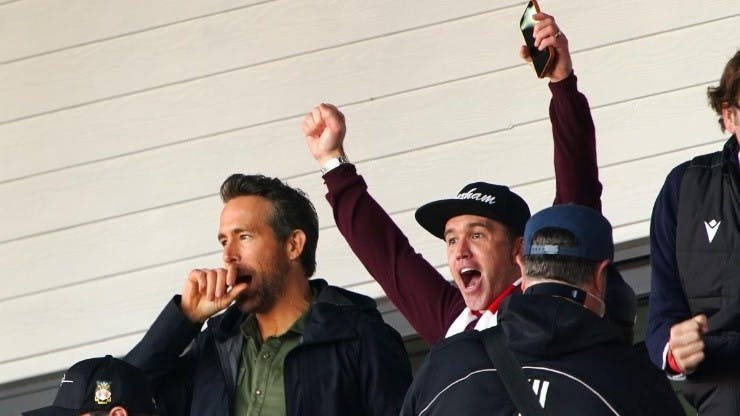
{"x":542,"y":59}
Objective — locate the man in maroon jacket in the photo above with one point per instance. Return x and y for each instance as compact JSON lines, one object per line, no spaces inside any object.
{"x":482,"y":226}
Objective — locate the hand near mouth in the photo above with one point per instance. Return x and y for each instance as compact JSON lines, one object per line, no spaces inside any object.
{"x":209,"y":291}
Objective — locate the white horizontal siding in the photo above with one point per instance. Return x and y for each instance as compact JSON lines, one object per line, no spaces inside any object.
{"x":188,"y":170}
{"x":116,"y":133}
{"x":34,"y":27}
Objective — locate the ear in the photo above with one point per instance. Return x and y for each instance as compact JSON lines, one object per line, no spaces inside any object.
{"x":599,"y":280}
{"x":294,"y":244}
{"x":728,"y":118}
{"x":118,"y":411}
{"x":517,"y":247}
{"x":520,"y":262}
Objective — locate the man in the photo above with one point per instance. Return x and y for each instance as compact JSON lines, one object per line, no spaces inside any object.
{"x":103,"y":386}
{"x":574,"y":361}
{"x":694,"y":312}
{"x":483,"y":238}
{"x":287,"y":345}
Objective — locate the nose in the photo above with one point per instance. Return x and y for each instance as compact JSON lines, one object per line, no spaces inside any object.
{"x":230,"y":253}
{"x":462,"y":250}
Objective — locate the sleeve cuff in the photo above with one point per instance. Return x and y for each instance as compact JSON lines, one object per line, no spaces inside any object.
{"x":670,"y":366}
{"x":337,"y":177}
{"x":568,"y":84}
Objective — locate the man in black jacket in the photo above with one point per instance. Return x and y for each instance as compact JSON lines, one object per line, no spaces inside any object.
{"x":287,"y":345}
{"x":572,"y":357}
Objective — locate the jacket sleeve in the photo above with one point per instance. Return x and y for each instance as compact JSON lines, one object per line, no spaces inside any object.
{"x":576,"y":171}
{"x":385,"y":369}
{"x":165,"y":354}
{"x":667,"y":304}
{"x":424,"y":297}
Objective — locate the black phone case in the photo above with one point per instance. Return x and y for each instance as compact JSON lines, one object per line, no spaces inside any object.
{"x":542,"y":59}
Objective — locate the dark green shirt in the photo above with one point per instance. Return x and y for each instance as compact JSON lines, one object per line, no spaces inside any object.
{"x":260,"y":386}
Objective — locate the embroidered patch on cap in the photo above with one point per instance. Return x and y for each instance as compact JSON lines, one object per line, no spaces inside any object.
{"x":103,"y":394}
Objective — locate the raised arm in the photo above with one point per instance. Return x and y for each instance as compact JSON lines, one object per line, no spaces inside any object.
{"x":576,"y":171}
{"x":423,"y":296}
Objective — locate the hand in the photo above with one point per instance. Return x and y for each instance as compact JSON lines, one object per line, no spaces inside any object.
{"x":324,"y":129}
{"x":547,"y":33}
{"x":686,"y":343}
{"x":206,"y":292}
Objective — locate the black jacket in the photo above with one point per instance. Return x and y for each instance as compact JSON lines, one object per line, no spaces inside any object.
{"x":574,"y":360}
{"x":348,"y":362}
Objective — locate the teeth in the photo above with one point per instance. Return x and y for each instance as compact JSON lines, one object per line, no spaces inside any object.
{"x":466,"y":269}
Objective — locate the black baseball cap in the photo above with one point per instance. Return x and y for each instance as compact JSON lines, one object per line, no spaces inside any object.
{"x":496,"y":202}
{"x":592,"y":231}
{"x":99,"y":384}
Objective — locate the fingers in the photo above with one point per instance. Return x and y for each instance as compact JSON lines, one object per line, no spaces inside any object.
{"x":235,"y":292}
{"x":686,"y":342}
{"x":197,"y":277}
{"x":313,"y":123}
{"x":524,"y":53}
{"x":703,"y":323}
{"x":322,"y":116}
{"x":231,"y":274}
{"x":211,"y":279}
{"x":688,"y":359}
{"x":332,"y":117}
{"x":210,"y":283}
{"x":546,"y":32}
{"x":220,"y":283}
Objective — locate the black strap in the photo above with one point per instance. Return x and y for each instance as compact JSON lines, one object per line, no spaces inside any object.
{"x":511,"y":373}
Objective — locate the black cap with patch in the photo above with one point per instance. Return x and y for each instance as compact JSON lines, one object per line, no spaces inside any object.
{"x":496,"y":202}
{"x":100,"y":384}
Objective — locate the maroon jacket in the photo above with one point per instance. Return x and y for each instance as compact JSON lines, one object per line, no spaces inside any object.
{"x":425,"y":297}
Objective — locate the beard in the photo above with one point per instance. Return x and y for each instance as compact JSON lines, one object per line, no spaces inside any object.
{"x":265,"y":288}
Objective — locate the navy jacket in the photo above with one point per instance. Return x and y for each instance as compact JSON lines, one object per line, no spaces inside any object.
{"x":668,"y":303}
{"x":574,"y":360}
{"x":348,"y":361}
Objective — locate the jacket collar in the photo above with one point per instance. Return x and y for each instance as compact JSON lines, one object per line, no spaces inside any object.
{"x":332,"y":315}
{"x":542,"y":326}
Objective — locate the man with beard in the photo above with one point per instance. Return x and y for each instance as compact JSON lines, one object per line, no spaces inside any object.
{"x":287,"y":345}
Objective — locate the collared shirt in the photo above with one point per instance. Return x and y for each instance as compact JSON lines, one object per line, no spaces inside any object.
{"x":260,"y":388}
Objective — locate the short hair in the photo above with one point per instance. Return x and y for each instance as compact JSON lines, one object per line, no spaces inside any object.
{"x":568,"y":269}
{"x":291,"y":210}
{"x":727,"y":90}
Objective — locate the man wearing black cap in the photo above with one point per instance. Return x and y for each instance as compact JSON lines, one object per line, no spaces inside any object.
{"x":482,"y":226}
{"x":101,"y":386}
{"x":572,"y":360}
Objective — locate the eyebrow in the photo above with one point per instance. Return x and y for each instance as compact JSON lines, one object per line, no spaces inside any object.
{"x":234,"y":231}
{"x":468,"y":226}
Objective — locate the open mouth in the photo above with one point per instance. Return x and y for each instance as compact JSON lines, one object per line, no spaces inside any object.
{"x":469,"y":276}
{"x":243,"y":278}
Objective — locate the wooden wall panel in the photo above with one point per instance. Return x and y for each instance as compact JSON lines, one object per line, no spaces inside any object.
{"x":180,"y":53}
{"x":176,"y":113}
{"x":32,"y":28}
{"x":115,"y":133}
{"x":190,"y":170}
